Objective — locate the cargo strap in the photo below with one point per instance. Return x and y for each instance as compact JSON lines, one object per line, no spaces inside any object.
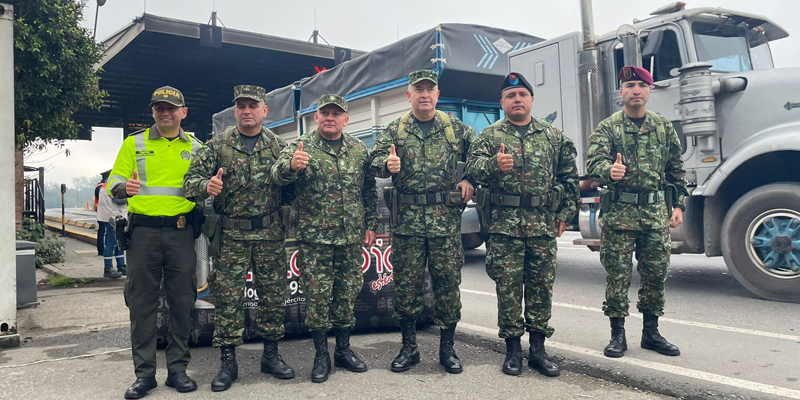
{"x":160,"y":221}
{"x":509,"y":200}
{"x":637,"y":198}
{"x":422,"y":199}
{"x":251,"y":224}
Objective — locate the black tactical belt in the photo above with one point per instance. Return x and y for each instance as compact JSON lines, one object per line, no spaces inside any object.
{"x":637,"y":198}
{"x":251,"y":224}
{"x":177,"y":221}
{"x":509,"y":200}
{"x":422,"y":199}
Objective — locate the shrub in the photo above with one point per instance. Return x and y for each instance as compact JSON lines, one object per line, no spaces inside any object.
{"x":49,"y":249}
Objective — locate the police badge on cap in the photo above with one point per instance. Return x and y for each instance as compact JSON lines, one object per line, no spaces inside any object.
{"x":515,"y":80}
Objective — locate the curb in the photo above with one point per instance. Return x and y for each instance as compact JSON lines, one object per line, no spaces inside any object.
{"x":80,"y":224}
{"x":627,"y":375}
{"x":90,"y":238}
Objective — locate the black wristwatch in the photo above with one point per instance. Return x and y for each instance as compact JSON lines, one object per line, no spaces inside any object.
{"x":681,"y":206}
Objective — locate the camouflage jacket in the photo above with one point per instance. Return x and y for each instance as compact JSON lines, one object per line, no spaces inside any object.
{"x":336,"y":196}
{"x":249,"y":192}
{"x":428,"y":165}
{"x":538,"y":154}
{"x":644,"y":156}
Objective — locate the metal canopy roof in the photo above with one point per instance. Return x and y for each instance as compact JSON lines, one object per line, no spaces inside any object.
{"x":205,"y":62}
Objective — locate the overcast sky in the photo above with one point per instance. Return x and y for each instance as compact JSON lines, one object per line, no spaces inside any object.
{"x":368,"y":25}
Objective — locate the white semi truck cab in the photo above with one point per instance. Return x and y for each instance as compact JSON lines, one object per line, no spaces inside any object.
{"x":737,"y":117}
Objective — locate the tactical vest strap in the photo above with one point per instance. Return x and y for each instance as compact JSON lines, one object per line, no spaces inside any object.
{"x":449,"y":132}
{"x":620,"y":138}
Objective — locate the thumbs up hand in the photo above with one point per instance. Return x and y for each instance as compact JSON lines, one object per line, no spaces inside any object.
{"x":393,"y":161}
{"x":133,"y":184}
{"x":214,"y":187}
{"x":505,"y":161}
{"x":618,"y":169}
{"x":300,"y":158}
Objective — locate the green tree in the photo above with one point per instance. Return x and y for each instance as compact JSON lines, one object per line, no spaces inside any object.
{"x":54,"y":76}
{"x":54,"y":73}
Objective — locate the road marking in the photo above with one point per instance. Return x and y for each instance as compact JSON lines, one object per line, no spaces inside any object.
{"x":686,"y":372}
{"x":64,"y":358}
{"x":672,"y":320}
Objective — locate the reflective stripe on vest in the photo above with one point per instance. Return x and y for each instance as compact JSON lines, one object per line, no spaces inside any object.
{"x":140,"y":141}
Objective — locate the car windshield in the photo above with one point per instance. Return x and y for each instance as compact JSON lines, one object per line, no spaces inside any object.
{"x":724,"y":47}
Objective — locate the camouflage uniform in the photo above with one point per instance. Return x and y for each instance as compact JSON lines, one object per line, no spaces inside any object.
{"x":248,"y":193}
{"x":336,"y":202}
{"x":629,"y":227}
{"x":521,"y":249}
{"x":426,"y":234}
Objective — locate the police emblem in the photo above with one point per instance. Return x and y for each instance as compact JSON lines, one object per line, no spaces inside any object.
{"x":186,"y":155}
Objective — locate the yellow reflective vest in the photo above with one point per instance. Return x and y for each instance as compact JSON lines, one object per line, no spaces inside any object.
{"x":161,"y":164}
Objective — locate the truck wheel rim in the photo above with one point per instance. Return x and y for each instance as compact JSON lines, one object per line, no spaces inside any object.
{"x":774,"y":243}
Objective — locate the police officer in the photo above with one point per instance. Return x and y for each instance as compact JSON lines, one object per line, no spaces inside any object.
{"x":148,"y":172}
{"x":234,"y":167}
{"x":420,"y":152}
{"x":337,"y":208}
{"x":529,"y":167}
{"x":636,"y":155}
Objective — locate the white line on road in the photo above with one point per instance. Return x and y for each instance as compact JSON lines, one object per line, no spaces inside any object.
{"x":64,"y":358}
{"x":672,"y":320}
{"x":689,"y":373}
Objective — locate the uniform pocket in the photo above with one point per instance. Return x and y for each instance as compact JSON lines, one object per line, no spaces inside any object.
{"x":128,"y":290}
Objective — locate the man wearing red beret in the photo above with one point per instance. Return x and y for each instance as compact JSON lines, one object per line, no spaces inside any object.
{"x":636,"y":155}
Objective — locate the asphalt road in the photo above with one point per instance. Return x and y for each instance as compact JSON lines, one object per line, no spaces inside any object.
{"x":76,"y":346}
{"x":732,"y":343}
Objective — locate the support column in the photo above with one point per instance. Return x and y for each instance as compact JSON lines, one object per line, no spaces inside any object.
{"x":8,"y":244}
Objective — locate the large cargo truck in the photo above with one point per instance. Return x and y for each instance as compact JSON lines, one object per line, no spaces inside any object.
{"x":737,"y":116}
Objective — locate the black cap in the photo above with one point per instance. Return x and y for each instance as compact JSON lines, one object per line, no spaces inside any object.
{"x":515,"y":80}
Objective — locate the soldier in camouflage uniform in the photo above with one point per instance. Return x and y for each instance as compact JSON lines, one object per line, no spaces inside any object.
{"x":337,"y":206}
{"x":252,"y":231}
{"x":636,"y":154}
{"x":420,"y":152}
{"x":529,"y":168}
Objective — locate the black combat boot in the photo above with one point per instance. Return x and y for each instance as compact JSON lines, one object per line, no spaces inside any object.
{"x":409,"y":353}
{"x":272,"y":362}
{"x":181,"y":382}
{"x":322,"y":360}
{"x":652,"y":340}
{"x":343,"y":356}
{"x":618,"y":345}
{"x":513,"y":363}
{"x":447,"y":355}
{"x":228,"y":371}
{"x":140,"y":388}
{"x":538,"y":359}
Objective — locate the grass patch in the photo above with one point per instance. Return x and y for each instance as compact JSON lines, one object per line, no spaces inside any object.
{"x":60,"y":281}
{"x":63,"y":281}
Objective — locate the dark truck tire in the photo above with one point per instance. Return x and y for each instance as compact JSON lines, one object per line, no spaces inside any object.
{"x":761,"y":241}
{"x":471,"y":240}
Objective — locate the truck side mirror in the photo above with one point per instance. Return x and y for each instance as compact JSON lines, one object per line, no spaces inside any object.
{"x":653,"y":43}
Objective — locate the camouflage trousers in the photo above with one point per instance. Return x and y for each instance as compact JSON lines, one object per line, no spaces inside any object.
{"x":444,"y":257}
{"x":652,"y":249}
{"x":331,"y":279}
{"x":267,"y":260}
{"x":522,"y":268}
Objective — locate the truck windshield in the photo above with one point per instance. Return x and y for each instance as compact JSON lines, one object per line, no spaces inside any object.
{"x":724,"y":47}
